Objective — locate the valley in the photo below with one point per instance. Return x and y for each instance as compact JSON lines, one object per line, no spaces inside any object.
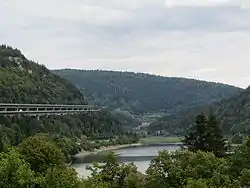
{"x":137,"y":98}
{"x":138,"y":116}
{"x":124,"y":94}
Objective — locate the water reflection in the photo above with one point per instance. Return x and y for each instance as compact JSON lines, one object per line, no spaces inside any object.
{"x":141,"y":156}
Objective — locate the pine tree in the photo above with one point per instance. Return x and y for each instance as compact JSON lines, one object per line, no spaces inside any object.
{"x":214,"y":137}
{"x":205,"y":135}
{"x":194,"y":139}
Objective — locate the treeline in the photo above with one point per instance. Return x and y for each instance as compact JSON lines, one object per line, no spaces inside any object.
{"x":202,"y":163}
{"x":233,"y":113}
{"x":143,"y":93}
{"x":182,"y":169}
{"x":74,"y":133}
{"x":24,"y":81}
{"x":205,"y":161}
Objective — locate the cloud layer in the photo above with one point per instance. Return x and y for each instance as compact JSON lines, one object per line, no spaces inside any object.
{"x":203,"y":39}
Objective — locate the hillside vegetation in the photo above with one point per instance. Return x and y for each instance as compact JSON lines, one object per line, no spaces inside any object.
{"x":144,"y":93}
{"x":24,"y":81}
{"x":233,"y":115}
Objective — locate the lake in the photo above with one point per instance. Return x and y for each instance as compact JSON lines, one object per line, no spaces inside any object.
{"x":141,"y":156}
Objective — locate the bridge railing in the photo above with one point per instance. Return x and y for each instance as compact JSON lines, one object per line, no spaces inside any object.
{"x":12,"y":109}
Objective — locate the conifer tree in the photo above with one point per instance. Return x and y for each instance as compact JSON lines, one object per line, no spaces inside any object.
{"x":214,"y":137}
{"x":205,"y":135}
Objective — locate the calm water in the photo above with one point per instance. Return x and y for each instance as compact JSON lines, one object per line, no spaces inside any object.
{"x":141,"y":156}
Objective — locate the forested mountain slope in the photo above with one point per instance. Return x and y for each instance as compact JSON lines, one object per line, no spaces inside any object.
{"x":23,"y":81}
{"x":143,"y":93}
{"x":233,"y":115}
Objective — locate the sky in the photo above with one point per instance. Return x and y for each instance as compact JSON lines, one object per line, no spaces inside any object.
{"x":201,"y":39}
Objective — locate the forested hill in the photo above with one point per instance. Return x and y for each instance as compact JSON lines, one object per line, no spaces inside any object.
{"x":233,"y":115}
{"x":140,"y":93}
{"x":24,"y":81}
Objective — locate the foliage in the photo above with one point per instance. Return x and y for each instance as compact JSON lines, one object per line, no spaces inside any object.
{"x":245,"y":178}
{"x":93,"y":183}
{"x":61,"y":177}
{"x":41,"y":153}
{"x":113,"y":175}
{"x":185,"y":168}
{"x":205,"y":135}
{"x":20,"y":79}
{"x":140,"y":93}
{"x":24,"y":81}
{"x":15,"y":169}
{"x":15,"y":172}
{"x":67,"y":131}
{"x":232,"y":112}
{"x":241,"y":159}
{"x":182,"y":169}
{"x":39,"y":161}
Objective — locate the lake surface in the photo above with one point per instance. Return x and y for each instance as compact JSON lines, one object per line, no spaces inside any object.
{"x":141,"y":156}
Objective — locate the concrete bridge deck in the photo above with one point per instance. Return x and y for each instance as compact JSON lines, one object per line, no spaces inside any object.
{"x":44,"y":109}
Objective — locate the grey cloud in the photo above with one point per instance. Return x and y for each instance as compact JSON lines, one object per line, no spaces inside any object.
{"x":134,"y":35}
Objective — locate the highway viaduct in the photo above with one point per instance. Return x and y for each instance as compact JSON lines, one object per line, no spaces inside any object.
{"x":8,"y":109}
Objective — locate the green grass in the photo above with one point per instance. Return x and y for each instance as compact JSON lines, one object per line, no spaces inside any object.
{"x":160,"y":140}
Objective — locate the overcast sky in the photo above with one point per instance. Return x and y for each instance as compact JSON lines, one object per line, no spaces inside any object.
{"x":203,"y":39}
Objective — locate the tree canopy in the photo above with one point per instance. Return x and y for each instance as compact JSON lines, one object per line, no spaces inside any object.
{"x":24,"y":81}
{"x":205,"y":135}
{"x":143,"y":93}
{"x":41,"y":153}
{"x":232,"y":112}
{"x":15,"y":172}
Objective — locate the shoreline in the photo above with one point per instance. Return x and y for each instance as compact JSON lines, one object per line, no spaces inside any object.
{"x":148,"y":141}
{"x":104,"y":149}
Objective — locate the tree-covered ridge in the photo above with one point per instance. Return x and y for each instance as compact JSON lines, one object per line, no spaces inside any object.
{"x":140,"y":93}
{"x":24,"y":81}
{"x":233,"y":115}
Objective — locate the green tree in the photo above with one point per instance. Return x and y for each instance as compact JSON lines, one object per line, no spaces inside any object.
{"x":115,"y":175}
{"x":196,"y":184}
{"x":245,"y":178}
{"x":205,"y":135}
{"x":194,"y":140}
{"x":15,"y":172}
{"x":178,"y":169}
{"x":214,"y":137}
{"x":93,"y":183}
{"x":61,"y":177}
{"x":41,"y":153}
{"x":240,"y":159}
